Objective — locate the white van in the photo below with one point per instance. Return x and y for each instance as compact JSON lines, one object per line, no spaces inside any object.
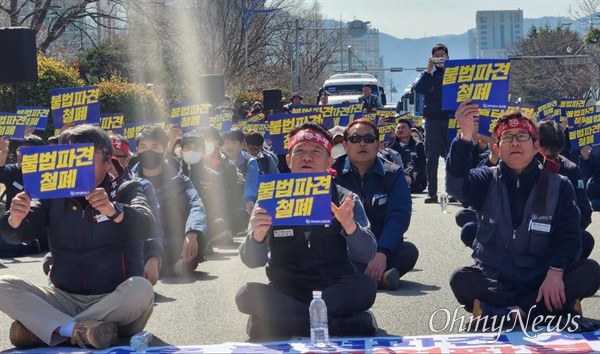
{"x":348,"y":87}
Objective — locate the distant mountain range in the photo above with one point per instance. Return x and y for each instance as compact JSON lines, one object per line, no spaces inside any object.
{"x":412,"y":53}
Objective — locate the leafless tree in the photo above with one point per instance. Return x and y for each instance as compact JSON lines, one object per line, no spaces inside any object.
{"x":550,"y":74}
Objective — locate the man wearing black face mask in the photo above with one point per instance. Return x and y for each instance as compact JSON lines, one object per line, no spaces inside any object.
{"x":182,"y":212}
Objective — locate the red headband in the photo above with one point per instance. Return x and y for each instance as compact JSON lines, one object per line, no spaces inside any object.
{"x":121,"y":146}
{"x":518,"y":123}
{"x":309,"y":136}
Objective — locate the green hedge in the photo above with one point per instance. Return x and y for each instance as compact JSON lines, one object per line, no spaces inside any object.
{"x":137,"y":102}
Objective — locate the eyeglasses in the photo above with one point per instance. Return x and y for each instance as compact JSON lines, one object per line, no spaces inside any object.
{"x":120,"y":156}
{"x":368,"y":139}
{"x":507,"y":138}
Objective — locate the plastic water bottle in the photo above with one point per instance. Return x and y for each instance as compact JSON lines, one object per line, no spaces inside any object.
{"x":140,"y":341}
{"x":444,"y":202}
{"x":319,"y":332}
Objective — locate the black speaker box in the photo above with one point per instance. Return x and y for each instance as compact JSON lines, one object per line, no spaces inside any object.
{"x":271,"y":99}
{"x":18,"y":62}
{"x":212,"y":89}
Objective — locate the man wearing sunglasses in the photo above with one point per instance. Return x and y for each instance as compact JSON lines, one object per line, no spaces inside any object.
{"x":384,"y":192}
{"x":300,"y":259}
{"x":528,"y":241}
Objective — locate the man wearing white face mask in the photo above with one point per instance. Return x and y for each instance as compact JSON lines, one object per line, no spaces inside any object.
{"x":206,"y":181}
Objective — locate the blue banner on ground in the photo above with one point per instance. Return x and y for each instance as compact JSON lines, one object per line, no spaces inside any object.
{"x":509,"y":342}
{"x":79,"y":105}
{"x":585,"y":135}
{"x":113,"y":123}
{"x":296,"y":199}
{"x":37,"y":117}
{"x":485,"y":81}
{"x":58,"y":171}
{"x":281,"y":124}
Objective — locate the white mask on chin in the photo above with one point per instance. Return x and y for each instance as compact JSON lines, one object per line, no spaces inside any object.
{"x":338,"y":151}
{"x":177,"y":151}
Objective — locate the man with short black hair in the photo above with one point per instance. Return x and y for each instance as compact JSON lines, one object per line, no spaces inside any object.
{"x":183,"y":217}
{"x":436,"y":120}
{"x":301,"y":259}
{"x":98,"y":290}
{"x":552,"y":142}
{"x":267,"y":161}
{"x":233,"y":148}
{"x":413,"y":155}
{"x":370,"y":102}
{"x":383,"y":190}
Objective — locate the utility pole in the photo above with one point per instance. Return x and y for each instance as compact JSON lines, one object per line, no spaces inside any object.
{"x":349,"y":58}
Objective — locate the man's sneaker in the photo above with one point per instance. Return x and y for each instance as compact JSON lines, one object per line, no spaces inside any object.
{"x":360,"y":324}
{"x":451,"y":199}
{"x":483,"y":313}
{"x":259,"y":331}
{"x":431,"y":200}
{"x":95,"y":334}
{"x":21,"y":337}
{"x":390,"y":279}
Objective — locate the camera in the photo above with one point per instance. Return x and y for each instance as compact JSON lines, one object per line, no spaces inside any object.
{"x":438,"y":60}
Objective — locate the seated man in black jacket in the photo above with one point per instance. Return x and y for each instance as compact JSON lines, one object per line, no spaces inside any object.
{"x":301,"y":259}
{"x":413,"y":155}
{"x":98,"y":287}
{"x":182,"y":214}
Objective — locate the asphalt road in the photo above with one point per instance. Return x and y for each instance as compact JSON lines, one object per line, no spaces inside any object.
{"x":201,"y":310}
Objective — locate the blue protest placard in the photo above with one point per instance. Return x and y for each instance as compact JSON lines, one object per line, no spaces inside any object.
{"x":281,"y":124}
{"x":295,"y":199}
{"x":453,"y":128}
{"x":113,"y":123}
{"x":545,"y":109}
{"x":190,"y":116}
{"x":385,"y":132}
{"x":79,"y":105}
{"x":259,"y":117}
{"x":571,"y":103}
{"x":487,"y":125}
{"x":585,"y":135}
{"x":587,"y":119}
{"x":37,"y":117}
{"x":262,"y":128}
{"x":12,"y":125}
{"x":572,"y":114}
{"x":58,"y":171}
{"x":132,"y":129}
{"x":340,"y":114}
{"x":222,"y":121}
{"x":485,"y":81}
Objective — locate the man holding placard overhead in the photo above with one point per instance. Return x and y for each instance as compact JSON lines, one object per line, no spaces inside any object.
{"x":436,"y":120}
{"x":97,"y":242}
{"x":301,"y":259}
{"x":528,"y":241}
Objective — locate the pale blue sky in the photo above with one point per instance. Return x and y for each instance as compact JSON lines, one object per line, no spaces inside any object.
{"x":421,"y":18}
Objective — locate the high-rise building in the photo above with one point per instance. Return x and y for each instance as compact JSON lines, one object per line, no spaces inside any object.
{"x":364,"y":55}
{"x":495,"y":31}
